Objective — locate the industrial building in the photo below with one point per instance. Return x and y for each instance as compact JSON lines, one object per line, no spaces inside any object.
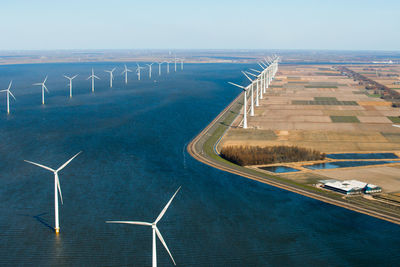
{"x":350,"y":187}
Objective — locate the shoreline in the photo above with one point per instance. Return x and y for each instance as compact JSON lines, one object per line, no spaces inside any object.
{"x":199,"y":149}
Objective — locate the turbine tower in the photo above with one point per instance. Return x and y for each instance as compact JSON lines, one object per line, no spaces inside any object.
{"x":149,"y":69}
{"x":155,"y":231}
{"x":126,"y":70}
{"x":8,"y":92}
{"x":175,"y":60}
{"x":252,"y":95}
{"x":167,"y":66}
{"x":43,"y":84}
{"x":111,"y":75}
{"x":182,"y":59}
{"x":138,"y":71}
{"x":57,"y":187}
{"x":70,"y":84}
{"x":159,"y":68}
{"x":244,"y":104}
{"x":93,"y":77}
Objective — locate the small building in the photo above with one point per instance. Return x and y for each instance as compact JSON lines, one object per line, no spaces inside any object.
{"x":350,"y":187}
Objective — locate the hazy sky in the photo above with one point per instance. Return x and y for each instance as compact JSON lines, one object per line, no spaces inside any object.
{"x":215,"y":24}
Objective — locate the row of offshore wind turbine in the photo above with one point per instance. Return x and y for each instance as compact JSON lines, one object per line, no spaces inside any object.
{"x":155,"y":230}
{"x":262,"y":78}
{"x":93,"y":77}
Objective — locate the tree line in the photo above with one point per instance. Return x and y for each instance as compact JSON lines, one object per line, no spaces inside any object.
{"x":256,"y":155}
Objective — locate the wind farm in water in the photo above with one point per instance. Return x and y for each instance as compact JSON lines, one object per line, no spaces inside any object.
{"x":133,"y":132}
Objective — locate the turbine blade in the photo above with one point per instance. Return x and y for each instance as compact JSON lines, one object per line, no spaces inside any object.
{"x":40,"y":165}
{"x":9,"y":85}
{"x":251,"y":74}
{"x":256,"y":70}
{"x":45,"y":79}
{"x":165,"y":245}
{"x":5,"y":90}
{"x":45,"y":88}
{"x":12,"y":95}
{"x":236,"y":85}
{"x":66,"y":77}
{"x":130,"y":222}
{"x":247,"y":76}
{"x":260,"y":65}
{"x":66,"y":163}
{"x":89,"y":77}
{"x":96,"y":77}
{"x":37,"y":84}
{"x":166,"y":207}
{"x":59,"y":189}
{"x":74,"y":77}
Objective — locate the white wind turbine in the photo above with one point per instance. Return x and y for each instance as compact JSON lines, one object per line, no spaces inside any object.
{"x":252,"y":95}
{"x":159,"y":67}
{"x":57,"y":187}
{"x":126,"y":70}
{"x":93,"y":77}
{"x":43,"y":84}
{"x":182,"y":59}
{"x":70,"y":84}
{"x":8,"y":92}
{"x":155,"y":231}
{"x":260,"y":81}
{"x":257,"y":89}
{"x":138,"y":71}
{"x":149,"y":69}
{"x":244,"y":104}
{"x":175,"y":60}
{"x":167,"y":66}
{"x":111,"y":76}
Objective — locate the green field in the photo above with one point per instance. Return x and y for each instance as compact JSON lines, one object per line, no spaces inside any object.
{"x":350,"y":119}
{"x":394,"y":119}
{"x":332,"y":102}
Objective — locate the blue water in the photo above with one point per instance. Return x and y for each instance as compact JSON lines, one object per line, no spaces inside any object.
{"x":279,"y":169}
{"x":133,"y":140}
{"x":362,"y":156}
{"x":346,"y":164}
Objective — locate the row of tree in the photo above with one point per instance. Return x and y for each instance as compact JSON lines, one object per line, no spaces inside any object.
{"x":256,"y":155}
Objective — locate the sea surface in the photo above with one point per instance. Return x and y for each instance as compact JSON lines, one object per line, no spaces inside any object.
{"x":133,"y":139}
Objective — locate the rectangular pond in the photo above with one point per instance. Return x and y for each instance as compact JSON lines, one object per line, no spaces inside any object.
{"x":362,"y":156}
{"x":279,"y":169}
{"x":346,"y":164}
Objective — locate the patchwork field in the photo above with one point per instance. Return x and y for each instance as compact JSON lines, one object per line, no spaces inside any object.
{"x":316,"y":107}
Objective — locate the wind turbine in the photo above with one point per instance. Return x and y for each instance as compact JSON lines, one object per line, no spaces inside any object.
{"x":257,"y":104}
{"x":138,"y":71}
{"x":111,"y":75}
{"x":252,"y":95}
{"x":43,"y":88}
{"x":259,"y":81}
{"x":155,"y":231}
{"x":175,"y":60}
{"x":57,"y":187}
{"x":70,"y":84}
{"x":182,"y":59}
{"x":126,"y":70}
{"x":159,"y":67}
{"x":245,"y":104}
{"x":8,"y":92}
{"x":167,"y":66}
{"x":149,"y":69}
{"x":93,"y":77}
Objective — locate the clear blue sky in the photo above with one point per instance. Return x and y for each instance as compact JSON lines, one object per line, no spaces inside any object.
{"x":216,"y":24}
